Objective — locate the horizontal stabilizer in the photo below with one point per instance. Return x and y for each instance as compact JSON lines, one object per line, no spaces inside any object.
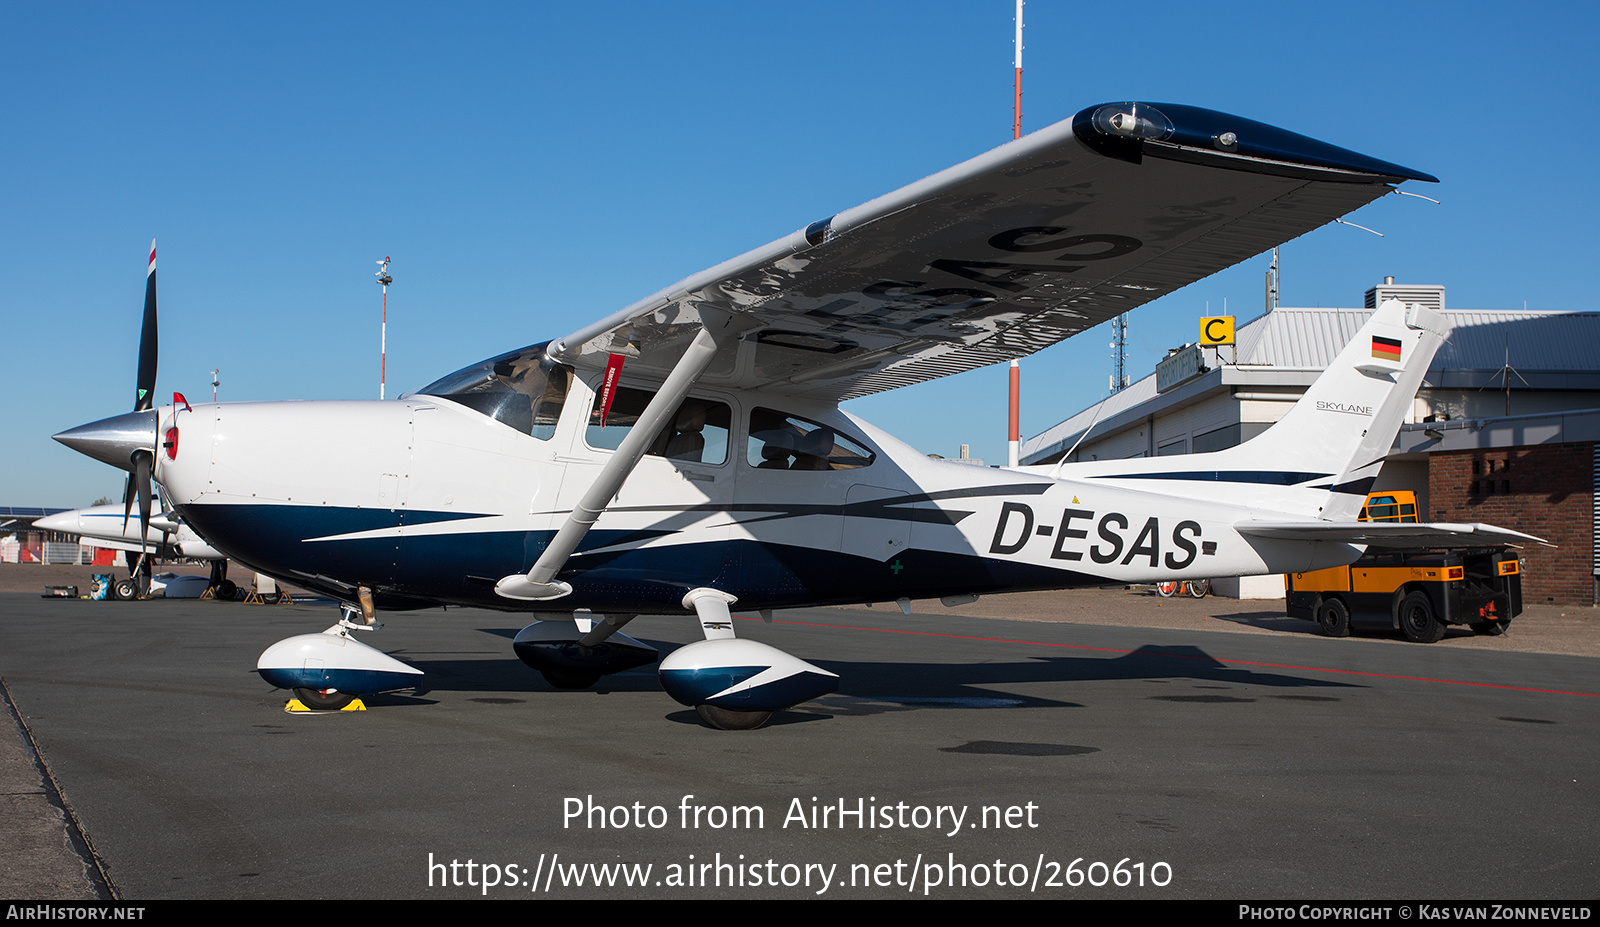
{"x":1388,"y":534}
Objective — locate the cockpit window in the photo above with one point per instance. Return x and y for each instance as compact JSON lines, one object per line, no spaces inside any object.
{"x":524,"y":389}
{"x":787,"y":442}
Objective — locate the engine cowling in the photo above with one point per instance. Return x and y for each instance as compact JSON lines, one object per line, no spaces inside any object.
{"x":742,"y":675}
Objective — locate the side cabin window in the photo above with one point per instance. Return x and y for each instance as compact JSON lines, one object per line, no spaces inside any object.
{"x":697,"y":430}
{"x":779,"y":441}
{"x":524,"y":389}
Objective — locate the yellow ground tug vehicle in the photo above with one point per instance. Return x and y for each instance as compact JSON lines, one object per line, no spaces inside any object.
{"x":1415,"y":590}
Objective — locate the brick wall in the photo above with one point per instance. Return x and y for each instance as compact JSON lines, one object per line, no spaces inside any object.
{"x":1544,"y":490}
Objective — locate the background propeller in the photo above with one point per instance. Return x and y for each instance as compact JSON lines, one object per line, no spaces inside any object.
{"x":144,"y":395}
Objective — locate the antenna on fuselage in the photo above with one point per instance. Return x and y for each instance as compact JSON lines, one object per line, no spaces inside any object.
{"x":383,"y":338}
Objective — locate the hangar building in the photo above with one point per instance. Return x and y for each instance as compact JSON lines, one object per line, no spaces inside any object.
{"x":1503,"y":430}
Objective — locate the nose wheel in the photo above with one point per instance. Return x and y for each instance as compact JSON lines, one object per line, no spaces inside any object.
{"x":728,"y":719}
{"x":323,"y":699}
{"x":330,"y":670}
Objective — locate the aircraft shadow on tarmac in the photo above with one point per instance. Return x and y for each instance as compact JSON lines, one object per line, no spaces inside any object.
{"x":867,"y":688}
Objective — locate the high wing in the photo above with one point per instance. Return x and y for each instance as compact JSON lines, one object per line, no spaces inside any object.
{"x":1000,"y":256}
{"x":1390,"y":534}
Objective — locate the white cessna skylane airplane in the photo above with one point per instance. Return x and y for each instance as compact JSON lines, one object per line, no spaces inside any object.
{"x":688,"y":452}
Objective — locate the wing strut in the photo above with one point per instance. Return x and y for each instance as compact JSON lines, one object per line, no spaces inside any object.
{"x":540,"y":583}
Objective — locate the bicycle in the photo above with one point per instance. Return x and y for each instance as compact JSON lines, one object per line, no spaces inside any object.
{"x":1199,"y":588}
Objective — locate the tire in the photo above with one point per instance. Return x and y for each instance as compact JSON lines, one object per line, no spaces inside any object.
{"x":225,"y":591}
{"x":1199,"y":588}
{"x":1333,"y":617}
{"x":323,"y":701}
{"x":123,"y":590}
{"x":728,"y":719}
{"x":570,"y":679}
{"x":1490,"y":628}
{"x":1167,"y":589}
{"x":272,"y":598}
{"x":1417,"y":621}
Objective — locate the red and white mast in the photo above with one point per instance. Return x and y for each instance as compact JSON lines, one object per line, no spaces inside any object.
{"x":1014,"y":448}
{"x":1016,"y":86}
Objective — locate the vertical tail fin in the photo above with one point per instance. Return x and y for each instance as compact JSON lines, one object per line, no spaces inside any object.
{"x":1346,"y":422}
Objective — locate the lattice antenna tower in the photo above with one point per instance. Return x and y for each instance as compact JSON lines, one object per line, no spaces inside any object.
{"x":1119,"y":352}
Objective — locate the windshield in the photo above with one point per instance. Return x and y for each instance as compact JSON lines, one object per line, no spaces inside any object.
{"x":524,"y":389}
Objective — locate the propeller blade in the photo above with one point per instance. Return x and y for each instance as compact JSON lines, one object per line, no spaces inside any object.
{"x":144,"y":395}
{"x":143,"y":461}
{"x":127,"y":500}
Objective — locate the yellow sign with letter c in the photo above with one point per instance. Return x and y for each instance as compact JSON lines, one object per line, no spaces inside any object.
{"x":1217,"y":329}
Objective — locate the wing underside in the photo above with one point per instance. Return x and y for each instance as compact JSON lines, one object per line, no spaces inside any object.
{"x":1000,"y":256}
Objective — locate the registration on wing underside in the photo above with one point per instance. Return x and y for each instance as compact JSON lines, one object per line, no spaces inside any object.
{"x":993,"y":259}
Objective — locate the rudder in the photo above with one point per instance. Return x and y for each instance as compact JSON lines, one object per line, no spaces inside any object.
{"x":1347,"y":421}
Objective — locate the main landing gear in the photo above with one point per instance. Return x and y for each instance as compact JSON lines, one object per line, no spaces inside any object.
{"x":223,"y":589}
{"x":575,"y":656}
{"x":734,"y":685}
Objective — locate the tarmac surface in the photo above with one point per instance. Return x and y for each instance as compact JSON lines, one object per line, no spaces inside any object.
{"x":1187,"y":749}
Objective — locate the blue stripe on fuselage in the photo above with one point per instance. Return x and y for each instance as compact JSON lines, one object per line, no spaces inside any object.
{"x":461,"y":568}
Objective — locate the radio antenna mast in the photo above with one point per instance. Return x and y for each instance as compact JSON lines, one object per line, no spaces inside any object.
{"x":1272,"y":282}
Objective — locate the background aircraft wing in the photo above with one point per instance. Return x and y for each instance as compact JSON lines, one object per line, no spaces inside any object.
{"x":1000,"y":256}
{"x":1390,"y":534}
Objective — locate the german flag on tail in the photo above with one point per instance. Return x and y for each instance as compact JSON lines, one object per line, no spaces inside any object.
{"x":1385,"y":348}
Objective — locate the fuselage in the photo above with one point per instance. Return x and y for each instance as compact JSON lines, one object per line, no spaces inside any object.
{"x":431,"y":499}
{"x":112,"y":526}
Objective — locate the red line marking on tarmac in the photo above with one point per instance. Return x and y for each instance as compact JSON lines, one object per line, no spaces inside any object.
{"x":1179,"y":656}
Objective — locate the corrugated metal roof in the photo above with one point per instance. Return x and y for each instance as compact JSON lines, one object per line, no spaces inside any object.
{"x":1538,"y":342}
{"x":1549,"y":341}
{"x":1302,"y":338}
{"x":1566,"y":341}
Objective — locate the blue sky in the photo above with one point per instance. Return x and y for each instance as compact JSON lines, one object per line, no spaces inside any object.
{"x":534,"y":166}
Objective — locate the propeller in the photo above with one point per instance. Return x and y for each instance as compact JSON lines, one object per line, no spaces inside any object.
{"x":129,"y":440}
{"x":144,"y":459}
